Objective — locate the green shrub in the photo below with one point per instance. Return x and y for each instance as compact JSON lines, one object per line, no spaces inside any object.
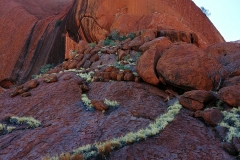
{"x":109,"y":42}
{"x":114,"y":35}
{"x":46,"y":68}
{"x":92,"y":44}
{"x":121,"y":66}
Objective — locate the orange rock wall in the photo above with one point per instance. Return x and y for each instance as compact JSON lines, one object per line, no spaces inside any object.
{"x":95,"y":18}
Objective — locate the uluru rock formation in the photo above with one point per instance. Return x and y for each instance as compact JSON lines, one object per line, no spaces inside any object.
{"x":104,"y":79}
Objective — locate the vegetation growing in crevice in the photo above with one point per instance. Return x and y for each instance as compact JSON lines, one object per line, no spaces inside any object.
{"x":115,"y":36}
{"x":14,"y":120}
{"x":43,"y":70}
{"x":87,"y":102}
{"x":103,"y":148}
{"x":30,"y":121}
{"x":232,"y":122}
{"x":110,"y":103}
{"x":92,"y":44}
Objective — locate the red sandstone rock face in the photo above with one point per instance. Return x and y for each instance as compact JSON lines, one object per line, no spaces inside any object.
{"x":30,"y":36}
{"x":93,"y":20}
{"x":66,"y":124}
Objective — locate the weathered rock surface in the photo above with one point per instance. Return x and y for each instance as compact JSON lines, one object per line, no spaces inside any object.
{"x":234,"y":81}
{"x":146,"y":66}
{"x":212,"y":116}
{"x":31,"y":36}
{"x":104,"y":16}
{"x":199,"y":95}
{"x":66,"y":124}
{"x":187,"y":67}
{"x":228,"y":55}
{"x":230,"y":95}
{"x":190,"y":104}
{"x":160,"y":43}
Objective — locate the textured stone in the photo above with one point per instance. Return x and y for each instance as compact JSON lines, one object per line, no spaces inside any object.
{"x":94,"y":58}
{"x":50,"y":79}
{"x":73,"y":64}
{"x":146,"y":66}
{"x":87,"y":64}
{"x":120,"y":76}
{"x":199,"y":95}
{"x":121,"y":54}
{"x":236,"y":143}
{"x":190,"y":104}
{"x":128,"y":77}
{"x":230,"y":95}
{"x":212,"y":116}
{"x":234,"y":81}
{"x":33,"y":84}
{"x":229,"y":147}
{"x":99,"y":105}
{"x":161,"y":43}
{"x":188,"y":67}
{"x":26,"y":94}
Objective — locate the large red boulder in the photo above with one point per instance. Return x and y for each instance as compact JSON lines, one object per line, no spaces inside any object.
{"x":230,"y":95}
{"x":228,"y":55}
{"x":161,"y":43}
{"x":187,"y":67}
{"x":146,"y":66}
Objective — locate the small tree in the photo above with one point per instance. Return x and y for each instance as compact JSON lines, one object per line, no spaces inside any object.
{"x":206,"y":11}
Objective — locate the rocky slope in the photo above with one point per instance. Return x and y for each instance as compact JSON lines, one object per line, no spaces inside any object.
{"x":135,"y":80}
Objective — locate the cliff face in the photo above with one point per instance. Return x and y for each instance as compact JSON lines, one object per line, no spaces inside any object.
{"x":30,"y":36}
{"x":92,"y":20}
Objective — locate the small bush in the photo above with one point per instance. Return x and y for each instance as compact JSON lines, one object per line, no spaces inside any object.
{"x":114,"y":35}
{"x":92,"y":44}
{"x":87,"y":102}
{"x":88,"y":77}
{"x":30,"y":121}
{"x":232,"y":122}
{"x":111,"y":103}
{"x":109,"y":42}
{"x":46,"y":68}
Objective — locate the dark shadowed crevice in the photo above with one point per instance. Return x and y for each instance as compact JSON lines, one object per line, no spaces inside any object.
{"x":15,"y":76}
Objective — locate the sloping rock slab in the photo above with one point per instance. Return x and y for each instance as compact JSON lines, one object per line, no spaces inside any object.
{"x":67,"y":124}
{"x":184,"y":138}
